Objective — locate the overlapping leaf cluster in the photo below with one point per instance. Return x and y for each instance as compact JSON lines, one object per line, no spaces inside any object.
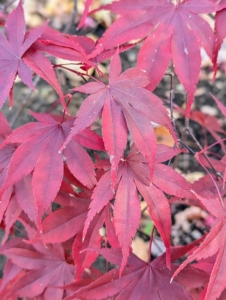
{"x":63,"y":197}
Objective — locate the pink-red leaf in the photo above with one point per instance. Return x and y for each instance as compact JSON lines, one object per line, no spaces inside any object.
{"x":220,"y":105}
{"x":45,"y":270}
{"x":65,"y":222}
{"x":175,"y":31}
{"x":85,"y":13}
{"x":138,"y":276}
{"x":126,"y":218}
{"x":214,"y":244}
{"x":127,"y":94}
{"x":39,"y":151}
{"x":12,"y":50}
{"x":133,"y":173}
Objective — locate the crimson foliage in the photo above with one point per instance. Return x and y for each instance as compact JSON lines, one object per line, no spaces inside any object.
{"x":45,"y":162}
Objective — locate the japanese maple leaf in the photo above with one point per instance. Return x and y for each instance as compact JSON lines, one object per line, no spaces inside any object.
{"x":173,"y":31}
{"x":133,"y":175}
{"x":123,"y":103}
{"x":65,"y":222}
{"x":85,"y":13}
{"x":60,"y":45}
{"x":23,"y":193}
{"x":39,"y":151}
{"x":6,"y":154}
{"x":84,"y":259}
{"x":11,"y":215}
{"x":5,"y":129}
{"x":141,"y":280}
{"x":15,"y":200}
{"x":210,"y":190}
{"x":220,"y":105}
{"x":5,"y":157}
{"x":17,"y":56}
{"x":68,"y":221}
{"x":11,"y":274}
{"x":75,"y":48}
{"x":214,"y":244}
{"x":46,"y":268}
{"x":220,"y":24}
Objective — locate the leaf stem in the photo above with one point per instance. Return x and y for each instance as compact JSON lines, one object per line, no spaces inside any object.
{"x":171,"y":75}
{"x":150,"y":243}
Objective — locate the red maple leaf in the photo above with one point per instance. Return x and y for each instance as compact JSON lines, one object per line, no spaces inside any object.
{"x":206,"y":181}
{"x":11,"y":274}
{"x":133,"y":174}
{"x":39,"y":151}
{"x":84,"y":259}
{"x":17,"y":55}
{"x":220,"y":24}
{"x":139,"y":279}
{"x":11,"y":215}
{"x":85,"y":13}
{"x":46,"y":268}
{"x":22,"y":193}
{"x":14,"y":201}
{"x":123,"y":103}
{"x":75,"y":48}
{"x":57,"y":226}
{"x":68,"y":221}
{"x":220,"y":105}
{"x":173,"y":31}
{"x":214,"y":244}
{"x":5,"y":157}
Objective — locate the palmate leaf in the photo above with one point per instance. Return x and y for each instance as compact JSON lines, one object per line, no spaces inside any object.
{"x":39,"y":151}
{"x":22,"y":192}
{"x":141,"y":280}
{"x":220,"y":30}
{"x":214,"y":244}
{"x":133,"y":175}
{"x":46,"y":268}
{"x":75,"y":48}
{"x":173,"y":31}
{"x":124,"y":104}
{"x":83,"y":259}
{"x":220,"y":105}
{"x":10,"y":272}
{"x":11,"y":215}
{"x":17,"y":56}
{"x":68,"y":222}
{"x":5,"y":128}
{"x":5,"y":157}
{"x":85,"y":13}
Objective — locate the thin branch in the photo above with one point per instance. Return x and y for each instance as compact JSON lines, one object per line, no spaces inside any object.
{"x":24,"y":103}
{"x":189,"y":131}
{"x":187,"y":147}
{"x":5,"y":6}
{"x":171,"y":102}
{"x":143,"y":210}
{"x":150,"y":244}
{"x":219,"y":194}
{"x":72,"y":19}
